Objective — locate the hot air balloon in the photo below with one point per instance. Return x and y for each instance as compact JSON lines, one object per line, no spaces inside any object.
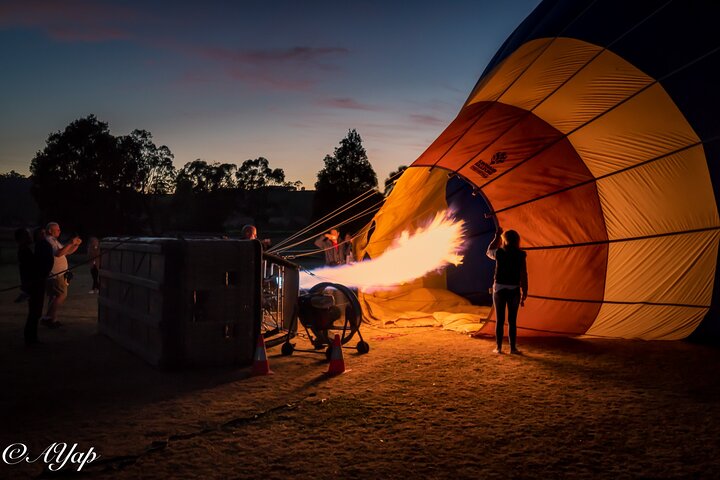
{"x":593,"y":133}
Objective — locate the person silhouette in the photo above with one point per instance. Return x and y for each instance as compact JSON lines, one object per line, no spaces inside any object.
{"x":57,"y":284}
{"x":249,"y":232}
{"x":42,"y":262}
{"x":510,"y":286}
{"x":25,"y":262}
{"x":347,"y":254}
{"x":328,"y":244}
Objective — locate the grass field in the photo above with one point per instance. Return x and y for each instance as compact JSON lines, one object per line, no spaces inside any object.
{"x":424,"y":403}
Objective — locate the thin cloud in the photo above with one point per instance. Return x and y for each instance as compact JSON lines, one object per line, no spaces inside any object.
{"x":271,"y":80}
{"x":289,"y":69}
{"x":70,"y":21}
{"x":348,"y":104}
{"x":296,"y":68}
{"x":429,"y":120}
{"x":293,"y":55}
{"x":92,"y":34}
{"x":230,"y":77}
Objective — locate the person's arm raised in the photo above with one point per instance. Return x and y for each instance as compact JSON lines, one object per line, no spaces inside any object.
{"x":492,"y":248}
{"x":70,"y":248}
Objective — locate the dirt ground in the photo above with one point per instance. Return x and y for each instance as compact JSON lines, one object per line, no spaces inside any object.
{"x":424,"y":403}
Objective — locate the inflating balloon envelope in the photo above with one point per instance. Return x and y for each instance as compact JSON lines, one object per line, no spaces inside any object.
{"x":593,"y":133}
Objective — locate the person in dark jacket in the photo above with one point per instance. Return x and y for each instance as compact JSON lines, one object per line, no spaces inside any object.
{"x":510,"y":286}
{"x":42,"y":262}
{"x":25,"y":262}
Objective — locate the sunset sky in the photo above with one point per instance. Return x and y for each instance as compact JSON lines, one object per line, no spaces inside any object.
{"x":230,"y":81}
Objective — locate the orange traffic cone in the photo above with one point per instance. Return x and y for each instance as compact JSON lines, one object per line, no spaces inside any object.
{"x":337,"y":363}
{"x":260,"y":363}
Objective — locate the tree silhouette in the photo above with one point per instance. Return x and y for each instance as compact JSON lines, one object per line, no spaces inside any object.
{"x":346,"y":175}
{"x":93,"y":181}
{"x":255,"y":174}
{"x":392,"y":178}
{"x":17,"y":208}
{"x":202,"y":177}
{"x":153,"y":168}
{"x":79,"y":176}
{"x":12,"y":174}
{"x":153,"y":165}
{"x":84,"y":153}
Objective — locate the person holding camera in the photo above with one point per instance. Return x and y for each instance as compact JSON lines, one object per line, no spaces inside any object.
{"x":57,"y":284}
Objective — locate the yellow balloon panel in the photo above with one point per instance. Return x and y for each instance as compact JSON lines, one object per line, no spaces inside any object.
{"x":492,"y":86}
{"x":566,"y":82}
{"x":595,"y":88}
{"x":646,"y":322}
{"x":418,"y":194}
{"x":647,"y":126}
{"x":558,"y":63}
{"x":678,"y":269}
{"x":673,"y":194}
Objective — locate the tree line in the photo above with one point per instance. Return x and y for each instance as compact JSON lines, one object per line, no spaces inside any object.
{"x":106,"y":184}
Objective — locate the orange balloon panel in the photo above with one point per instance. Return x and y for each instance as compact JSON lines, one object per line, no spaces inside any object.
{"x":453,"y":133}
{"x":469,"y":134}
{"x":566,"y":287}
{"x":570,"y":217}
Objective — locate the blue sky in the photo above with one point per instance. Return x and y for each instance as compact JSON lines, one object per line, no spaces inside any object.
{"x":229,"y":81}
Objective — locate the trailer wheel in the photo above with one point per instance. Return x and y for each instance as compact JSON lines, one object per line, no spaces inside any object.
{"x":287,"y":349}
{"x":363,"y":347}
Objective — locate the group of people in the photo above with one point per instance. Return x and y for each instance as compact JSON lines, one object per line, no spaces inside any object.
{"x":336,"y":252}
{"x":44,"y":270}
{"x":43,"y":264}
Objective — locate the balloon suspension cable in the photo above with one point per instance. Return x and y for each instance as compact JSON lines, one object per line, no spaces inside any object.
{"x":327,"y":217}
{"x":363,"y":196}
{"x":372,"y":209}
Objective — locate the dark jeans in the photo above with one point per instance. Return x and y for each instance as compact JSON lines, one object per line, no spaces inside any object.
{"x":35,"y":308}
{"x":96,"y":277}
{"x":509,"y":298}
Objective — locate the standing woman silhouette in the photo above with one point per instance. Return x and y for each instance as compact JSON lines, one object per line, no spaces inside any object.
{"x":511,"y":284}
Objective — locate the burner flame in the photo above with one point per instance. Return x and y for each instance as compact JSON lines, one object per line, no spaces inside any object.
{"x":410,"y":256}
